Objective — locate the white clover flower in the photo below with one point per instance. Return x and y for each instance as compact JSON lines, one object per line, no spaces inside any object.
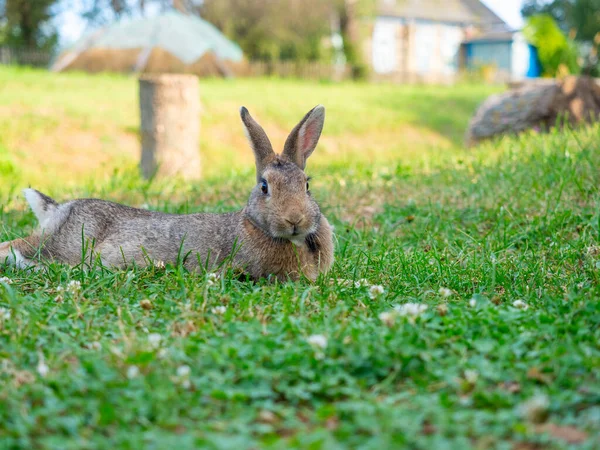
{"x":317,"y":341}
{"x":342,"y":282}
{"x":520,"y":304}
{"x":471,"y":376}
{"x":42,"y":368}
{"x":183,"y":376}
{"x":219,"y":310}
{"x":96,"y":345}
{"x":73,"y":287}
{"x":375,"y":291}
{"x":388,"y":317}
{"x":472,"y":303}
{"x":410,"y":309}
{"x":183,"y":371}
{"x":361,"y":283}
{"x":161,"y":353}
{"x":154,"y":340}
{"x":6,"y":280}
{"x":116,"y":351}
{"x":211,"y":279}
{"x":5,"y":313}
{"x":445,"y":292}
{"x":159,"y":264}
{"x":535,"y":408}
{"x":132,"y":372}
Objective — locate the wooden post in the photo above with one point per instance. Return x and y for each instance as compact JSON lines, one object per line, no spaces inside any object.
{"x":170,"y":125}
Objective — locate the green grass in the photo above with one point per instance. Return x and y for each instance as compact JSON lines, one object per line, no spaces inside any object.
{"x":518,"y":219}
{"x":79,"y":127}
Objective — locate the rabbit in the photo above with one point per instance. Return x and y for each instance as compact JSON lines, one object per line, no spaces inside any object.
{"x":280,"y":233}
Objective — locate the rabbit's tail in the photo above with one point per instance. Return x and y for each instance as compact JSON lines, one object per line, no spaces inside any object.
{"x":42,"y":206}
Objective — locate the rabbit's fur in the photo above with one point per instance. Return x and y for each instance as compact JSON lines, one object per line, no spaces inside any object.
{"x":281,"y":231}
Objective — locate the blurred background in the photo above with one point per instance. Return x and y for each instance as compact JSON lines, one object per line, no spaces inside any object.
{"x":406,"y":40}
{"x":397,"y":76}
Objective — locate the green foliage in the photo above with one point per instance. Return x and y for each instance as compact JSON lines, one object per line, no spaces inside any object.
{"x":556,"y":51}
{"x":267,"y":30}
{"x":580,"y":16}
{"x":297,"y":30}
{"x":7,"y":167}
{"x":27,"y":24}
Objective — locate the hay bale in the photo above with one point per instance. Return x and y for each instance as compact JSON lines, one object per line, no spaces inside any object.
{"x":96,"y":60}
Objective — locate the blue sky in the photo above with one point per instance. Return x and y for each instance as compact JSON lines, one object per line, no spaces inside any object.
{"x":72,"y":26}
{"x":508,"y":10}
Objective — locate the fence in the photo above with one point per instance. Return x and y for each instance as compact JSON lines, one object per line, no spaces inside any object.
{"x":22,"y":57}
{"x":281,"y":69}
{"x":304,"y":70}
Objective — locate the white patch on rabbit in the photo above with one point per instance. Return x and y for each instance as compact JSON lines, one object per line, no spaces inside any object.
{"x":15,"y":257}
{"x":43,"y":210}
{"x":298,"y":241}
{"x":50,"y":215}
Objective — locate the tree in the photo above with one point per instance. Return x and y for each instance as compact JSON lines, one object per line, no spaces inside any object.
{"x":556,"y":51}
{"x":273,"y":29}
{"x":102,"y":12}
{"x":580,"y":19}
{"x":27,"y":24}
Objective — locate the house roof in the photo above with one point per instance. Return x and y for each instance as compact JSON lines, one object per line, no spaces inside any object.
{"x":492,"y":36}
{"x":462,"y":11}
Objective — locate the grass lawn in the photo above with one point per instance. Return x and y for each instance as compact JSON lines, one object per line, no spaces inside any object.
{"x":495,"y":250}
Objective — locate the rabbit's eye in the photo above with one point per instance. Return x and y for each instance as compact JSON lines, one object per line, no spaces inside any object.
{"x":307,"y":186}
{"x":264,"y":187}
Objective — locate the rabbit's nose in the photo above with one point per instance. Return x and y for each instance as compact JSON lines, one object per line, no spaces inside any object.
{"x":295,"y":220}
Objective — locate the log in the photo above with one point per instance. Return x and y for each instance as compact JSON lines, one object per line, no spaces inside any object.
{"x":540,"y":106}
{"x":170,"y":126}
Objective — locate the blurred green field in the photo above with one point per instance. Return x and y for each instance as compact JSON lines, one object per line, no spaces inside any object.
{"x":63,"y":129}
{"x":495,"y":250}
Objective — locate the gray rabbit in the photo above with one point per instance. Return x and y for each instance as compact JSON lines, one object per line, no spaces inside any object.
{"x":280,"y":232}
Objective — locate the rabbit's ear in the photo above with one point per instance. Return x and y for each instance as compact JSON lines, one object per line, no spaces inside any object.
{"x":304,"y":137}
{"x":258,"y":141}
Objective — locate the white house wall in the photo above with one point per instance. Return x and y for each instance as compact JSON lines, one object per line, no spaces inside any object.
{"x":385,"y":46}
{"x":426,"y":49}
{"x":450,"y":40}
{"x":426,"y":45}
{"x":520,"y":57}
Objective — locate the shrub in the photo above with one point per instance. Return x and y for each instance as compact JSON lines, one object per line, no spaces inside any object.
{"x":558,"y":53}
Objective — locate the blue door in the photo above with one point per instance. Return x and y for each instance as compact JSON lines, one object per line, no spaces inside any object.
{"x":535,"y":67}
